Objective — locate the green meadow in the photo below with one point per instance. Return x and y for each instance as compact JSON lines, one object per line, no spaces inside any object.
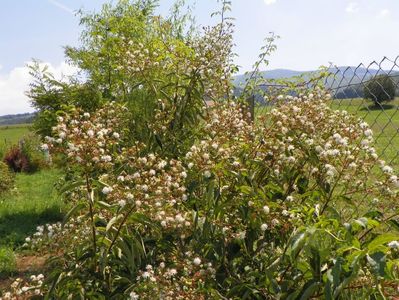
{"x":32,"y":202}
{"x":12,"y":133}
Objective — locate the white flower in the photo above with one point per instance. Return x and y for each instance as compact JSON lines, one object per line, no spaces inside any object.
{"x":106,"y":158}
{"x":393,"y":244}
{"x":122,"y":203}
{"x":266,"y":209}
{"x":387,"y":169}
{"x":275,"y":222}
{"x":90,"y":133}
{"x":133,"y":296}
{"x":197,"y":261}
{"x":172,"y":272}
{"x":241,"y":235}
{"x":145,"y":275}
{"x":207,"y":174}
{"x":106,"y":190}
{"x":116,"y":135}
{"x":375,"y":201}
{"x":24,"y":289}
{"x":44,"y":147}
{"x":179,"y":218}
{"x":368,"y":132}
{"x":264,"y":227}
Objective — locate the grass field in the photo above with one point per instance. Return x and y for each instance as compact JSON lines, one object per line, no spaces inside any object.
{"x":11,"y":134}
{"x":32,"y":202}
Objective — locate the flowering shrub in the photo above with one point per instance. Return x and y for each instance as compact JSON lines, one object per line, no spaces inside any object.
{"x":173,"y":200}
{"x":16,"y":160}
{"x":133,"y":56}
{"x":295,"y":205}
{"x":25,"y":289}
{"x":27,"y":156}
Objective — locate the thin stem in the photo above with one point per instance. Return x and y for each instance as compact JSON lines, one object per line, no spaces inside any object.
{"x":91,"y":210}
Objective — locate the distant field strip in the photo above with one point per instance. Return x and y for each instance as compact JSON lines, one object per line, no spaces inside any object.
{"x":11,"y":134}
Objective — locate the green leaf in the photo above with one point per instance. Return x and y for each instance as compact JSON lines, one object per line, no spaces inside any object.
{"x":377,"y":262}
{"x":70,"y":186}
{"x":72,"y":212}
{"x":112,"y":222}
{"x":381,"y":240}
{"x":309,"y":289}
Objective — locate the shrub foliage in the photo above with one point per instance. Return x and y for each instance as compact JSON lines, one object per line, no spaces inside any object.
{"x":174,"y":200}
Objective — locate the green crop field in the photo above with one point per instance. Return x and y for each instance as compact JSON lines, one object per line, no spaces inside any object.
{"x":10,"y":134}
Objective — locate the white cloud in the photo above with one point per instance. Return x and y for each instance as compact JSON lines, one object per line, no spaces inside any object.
{"x":353,"y":7}
{"x":61,"y":6}
{"x":269,"y":2}
{"x":384,"y":13}
{"x":14,"y":84}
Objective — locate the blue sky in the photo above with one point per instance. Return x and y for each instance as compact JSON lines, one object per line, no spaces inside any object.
{"x":313,"y":33}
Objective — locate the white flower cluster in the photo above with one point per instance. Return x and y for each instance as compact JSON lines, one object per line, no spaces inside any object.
{"x":89,"y":139}
{"x":179,"y":281}
{"x":21,"y":289}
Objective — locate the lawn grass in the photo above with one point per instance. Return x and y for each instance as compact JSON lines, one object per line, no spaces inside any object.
{"x":33,"y":202}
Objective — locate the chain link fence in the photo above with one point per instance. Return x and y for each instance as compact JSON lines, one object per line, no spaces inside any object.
{"x":368,"y":91}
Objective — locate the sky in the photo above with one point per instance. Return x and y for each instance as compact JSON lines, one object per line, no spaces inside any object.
{"x":313,"y":33}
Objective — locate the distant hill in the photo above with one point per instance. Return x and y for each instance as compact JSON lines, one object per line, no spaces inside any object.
{"x":17,"y":119}
{"x":346,"y":81}
{"x":348,"y":73}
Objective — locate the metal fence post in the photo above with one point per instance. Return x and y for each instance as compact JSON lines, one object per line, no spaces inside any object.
{"x":251,"y":107}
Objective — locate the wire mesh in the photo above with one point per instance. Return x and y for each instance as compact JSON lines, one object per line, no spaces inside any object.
{"x":371,"y":92}
{"x":368,"y":91}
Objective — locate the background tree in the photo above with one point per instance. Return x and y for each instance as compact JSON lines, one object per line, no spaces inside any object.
{"x":159,"y":67}
{"x":380,"y":89}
